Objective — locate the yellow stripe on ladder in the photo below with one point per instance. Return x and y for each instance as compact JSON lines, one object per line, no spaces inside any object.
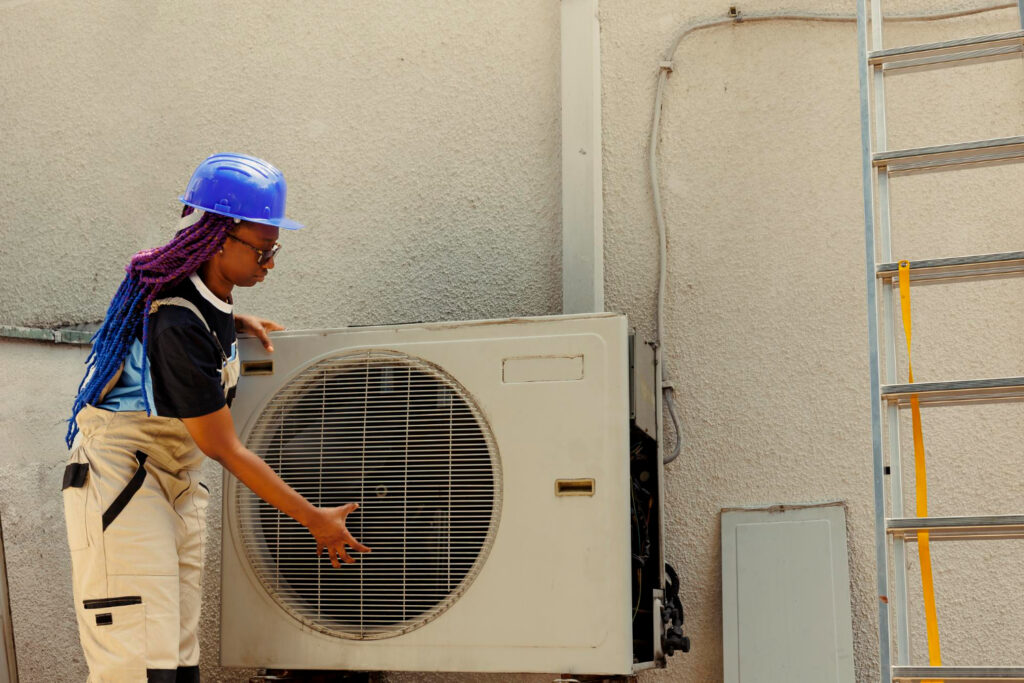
{"x":921,"y":485}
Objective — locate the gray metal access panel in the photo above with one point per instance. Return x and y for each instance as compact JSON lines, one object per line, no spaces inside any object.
{"x":786,"y":595}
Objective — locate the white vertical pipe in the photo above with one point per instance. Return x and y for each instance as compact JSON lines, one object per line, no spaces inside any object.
{"x":582,"y":205}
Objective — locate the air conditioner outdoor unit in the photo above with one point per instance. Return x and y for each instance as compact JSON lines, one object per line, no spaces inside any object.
{"x":497,"y":470}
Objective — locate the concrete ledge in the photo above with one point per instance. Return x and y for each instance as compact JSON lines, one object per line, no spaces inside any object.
{"x":75,"y":334}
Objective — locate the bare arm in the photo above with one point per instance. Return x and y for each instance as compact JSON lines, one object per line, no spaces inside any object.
{"x":215,"y":435}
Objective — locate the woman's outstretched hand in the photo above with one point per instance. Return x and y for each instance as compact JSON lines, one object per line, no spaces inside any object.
{"x":257,"y":327}
{"x":329,"y":530}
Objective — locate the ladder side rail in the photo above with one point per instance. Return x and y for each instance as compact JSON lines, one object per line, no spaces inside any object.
{"x":867,"y":179}
{"x":898,"y":603}
{"x":898,"y":594}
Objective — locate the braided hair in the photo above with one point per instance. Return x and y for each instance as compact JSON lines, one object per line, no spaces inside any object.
{"x":150,"y":273}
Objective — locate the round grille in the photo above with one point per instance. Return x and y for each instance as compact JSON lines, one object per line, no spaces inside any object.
{"x":403,"y":439}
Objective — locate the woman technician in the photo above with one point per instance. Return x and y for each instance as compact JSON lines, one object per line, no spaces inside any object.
{"x":154,"y":400}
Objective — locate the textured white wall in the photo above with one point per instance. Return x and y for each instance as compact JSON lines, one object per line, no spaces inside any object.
{"x":422,"y":146}
{"x":760,"y":162}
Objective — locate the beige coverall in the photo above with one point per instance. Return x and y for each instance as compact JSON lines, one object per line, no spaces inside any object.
{"x":136,"y":516}
{"x":136,"y":519}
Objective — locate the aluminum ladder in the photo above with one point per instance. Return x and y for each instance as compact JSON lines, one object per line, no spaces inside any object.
{"x":879,"y":165}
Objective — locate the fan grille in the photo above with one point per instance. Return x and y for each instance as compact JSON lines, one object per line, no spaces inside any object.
{"x":403,"y":439}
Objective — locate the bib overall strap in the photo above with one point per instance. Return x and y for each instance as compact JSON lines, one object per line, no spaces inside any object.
{"x":130,"y":489}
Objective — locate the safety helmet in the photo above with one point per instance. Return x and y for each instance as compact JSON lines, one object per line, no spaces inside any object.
{"x":240,"y":186}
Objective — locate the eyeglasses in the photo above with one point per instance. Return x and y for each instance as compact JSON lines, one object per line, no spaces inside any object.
{"x":262,"y":255}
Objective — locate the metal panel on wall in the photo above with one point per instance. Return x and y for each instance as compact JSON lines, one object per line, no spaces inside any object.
{"x":786,"y":595}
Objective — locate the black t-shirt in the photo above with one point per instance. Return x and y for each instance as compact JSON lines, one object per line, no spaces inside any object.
{"x":186,"y":360}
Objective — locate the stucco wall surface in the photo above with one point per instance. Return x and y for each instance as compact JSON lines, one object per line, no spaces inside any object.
{"x":765,"y":310}
{"x":422,"y":147}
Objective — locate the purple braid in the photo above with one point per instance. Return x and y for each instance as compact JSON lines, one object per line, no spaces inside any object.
{"x":150,"y":273}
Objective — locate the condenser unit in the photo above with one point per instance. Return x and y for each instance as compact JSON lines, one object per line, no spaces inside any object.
{"x":512,"y":504}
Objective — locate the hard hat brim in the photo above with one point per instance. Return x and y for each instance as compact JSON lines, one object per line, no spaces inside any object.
{"x":286,"y":223}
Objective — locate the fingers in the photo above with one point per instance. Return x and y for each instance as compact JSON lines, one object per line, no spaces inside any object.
{"x":258,"y":327}
{"x":261,"y":332}
{"x":336,"y":545}
{"x":339,"y":554}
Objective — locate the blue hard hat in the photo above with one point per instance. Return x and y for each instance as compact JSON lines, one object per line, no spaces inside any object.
{"x":240,"y":186}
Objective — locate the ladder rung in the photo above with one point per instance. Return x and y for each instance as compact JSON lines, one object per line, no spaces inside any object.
{"x":958,"y":673}
{"x":944,"y":60}
{"x":950,"y":50}
{"x":982,"y":265}
{"x":958,"y":528}
{"x":924,"y":158}
{"x":963,"y":391}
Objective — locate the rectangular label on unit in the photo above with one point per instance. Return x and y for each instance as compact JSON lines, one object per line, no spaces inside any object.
{"x":542,"y":369}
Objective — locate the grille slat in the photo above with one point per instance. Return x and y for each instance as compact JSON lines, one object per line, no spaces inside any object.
{"x":402,"y":438}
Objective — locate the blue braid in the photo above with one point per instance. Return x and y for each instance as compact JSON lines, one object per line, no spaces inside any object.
{"x":109,"y":347}
{"x":149,"y":273}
